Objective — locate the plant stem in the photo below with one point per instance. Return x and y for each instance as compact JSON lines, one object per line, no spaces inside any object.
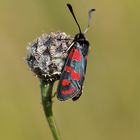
{"x":46,"y":92}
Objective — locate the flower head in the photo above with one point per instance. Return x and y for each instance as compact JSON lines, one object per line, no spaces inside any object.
{"x":47,"y":54}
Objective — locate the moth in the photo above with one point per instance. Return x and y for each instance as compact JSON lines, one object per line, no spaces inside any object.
{"x":73,"y":74}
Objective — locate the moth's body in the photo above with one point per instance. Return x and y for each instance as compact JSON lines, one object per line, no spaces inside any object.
{"x":73,"y":75}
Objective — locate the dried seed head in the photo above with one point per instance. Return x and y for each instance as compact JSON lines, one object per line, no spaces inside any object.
{"x":47,"y":54}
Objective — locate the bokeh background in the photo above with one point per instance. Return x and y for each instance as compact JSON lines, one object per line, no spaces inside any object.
{"x":109,"y":108}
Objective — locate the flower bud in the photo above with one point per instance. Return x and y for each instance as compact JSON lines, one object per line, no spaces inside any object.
{"x":47,"y":54}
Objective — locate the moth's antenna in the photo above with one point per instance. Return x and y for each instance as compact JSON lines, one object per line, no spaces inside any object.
{"x":71,"y":10}
{"x":89,"y":19}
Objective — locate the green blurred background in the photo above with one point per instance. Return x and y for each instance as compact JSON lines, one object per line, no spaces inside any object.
{"x":109,"y":108}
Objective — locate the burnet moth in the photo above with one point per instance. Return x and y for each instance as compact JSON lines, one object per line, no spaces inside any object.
{"x":73,"y":75}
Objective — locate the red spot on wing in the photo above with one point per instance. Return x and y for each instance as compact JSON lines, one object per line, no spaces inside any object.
{"x":65,"y":82}
{"x":68,"y":69}
{"x":75,"y":55}
{"x":68,"y":91}
{"x":75,"y":75}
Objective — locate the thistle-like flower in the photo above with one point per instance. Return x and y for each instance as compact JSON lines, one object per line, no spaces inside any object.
{"x":47,"y":54}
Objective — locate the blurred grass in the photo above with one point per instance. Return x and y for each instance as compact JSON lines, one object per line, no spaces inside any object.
{"x":109,"y":107}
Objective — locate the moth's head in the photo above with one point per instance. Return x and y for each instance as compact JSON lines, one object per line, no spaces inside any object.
{"x":79,"y":37}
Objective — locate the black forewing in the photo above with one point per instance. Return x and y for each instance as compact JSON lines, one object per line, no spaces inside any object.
{"x":74,"y":88}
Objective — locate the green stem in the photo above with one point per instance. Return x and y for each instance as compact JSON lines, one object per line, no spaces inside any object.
{"x":46,"y":92}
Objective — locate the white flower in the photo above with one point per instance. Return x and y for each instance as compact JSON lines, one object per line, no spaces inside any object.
{"x":47,"y":54}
